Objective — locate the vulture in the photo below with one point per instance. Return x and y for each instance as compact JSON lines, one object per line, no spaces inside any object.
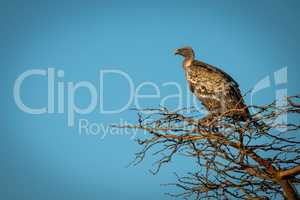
{"x":218,"y":92}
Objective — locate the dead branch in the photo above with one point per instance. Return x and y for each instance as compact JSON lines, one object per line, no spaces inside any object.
{"x":257,"y":159}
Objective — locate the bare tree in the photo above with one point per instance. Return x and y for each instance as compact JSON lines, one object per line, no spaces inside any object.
{"x":257,"y":159}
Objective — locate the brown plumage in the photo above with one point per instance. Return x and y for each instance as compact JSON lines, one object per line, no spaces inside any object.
{"x":217,"y":91}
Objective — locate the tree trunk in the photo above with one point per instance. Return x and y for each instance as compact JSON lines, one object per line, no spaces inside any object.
{"x":289,"y":190}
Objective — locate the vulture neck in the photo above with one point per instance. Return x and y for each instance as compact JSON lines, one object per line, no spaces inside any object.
{"x":188,"y":61}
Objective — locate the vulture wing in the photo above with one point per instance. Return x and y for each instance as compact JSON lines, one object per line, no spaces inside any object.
{"x":217,"y":90}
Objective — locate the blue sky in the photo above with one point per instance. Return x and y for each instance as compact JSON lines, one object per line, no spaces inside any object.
{"x":42,"y":158}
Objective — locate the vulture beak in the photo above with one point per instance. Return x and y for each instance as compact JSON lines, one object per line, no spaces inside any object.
{"x":177,"y":52}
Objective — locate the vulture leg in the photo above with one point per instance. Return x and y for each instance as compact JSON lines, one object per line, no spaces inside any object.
{"x":207,"y":122}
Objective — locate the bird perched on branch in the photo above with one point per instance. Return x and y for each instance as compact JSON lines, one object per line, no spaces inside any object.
{"x":218,"y":92}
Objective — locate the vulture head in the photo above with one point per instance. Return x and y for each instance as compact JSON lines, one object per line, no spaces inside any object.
{"x":186,"y":52}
